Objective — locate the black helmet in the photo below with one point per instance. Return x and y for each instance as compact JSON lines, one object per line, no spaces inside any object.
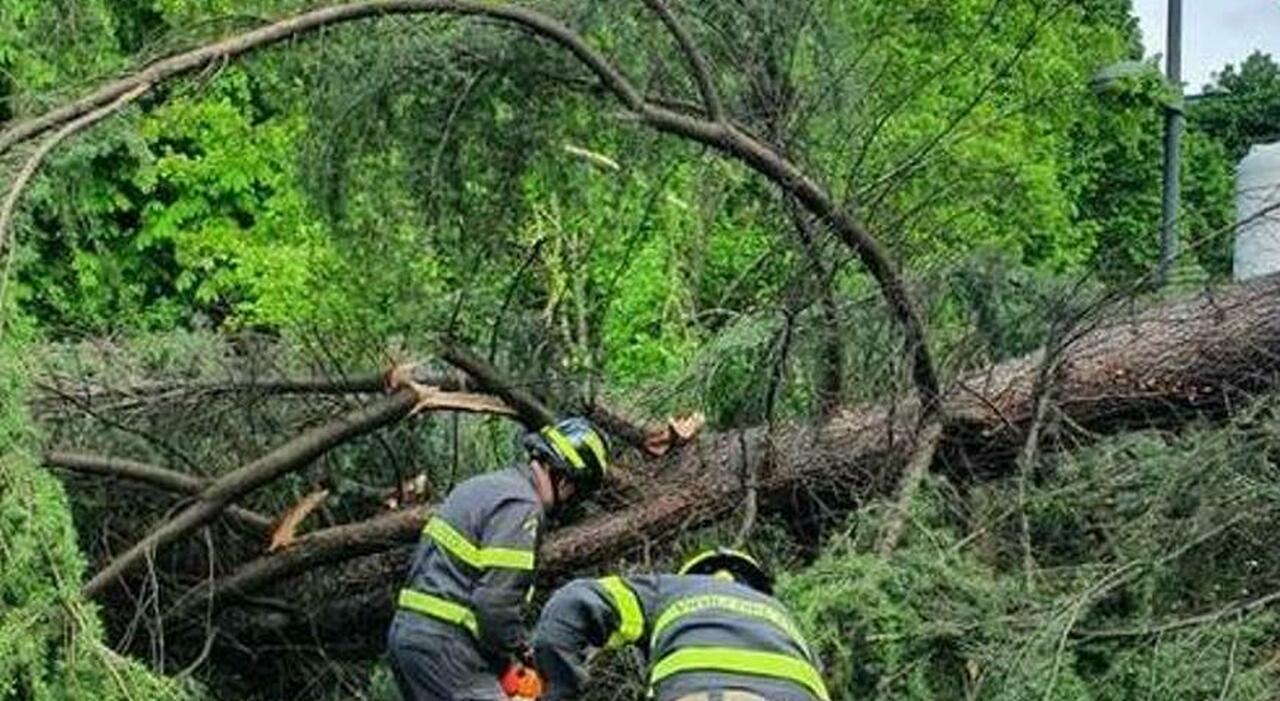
{"x":574,"y":448}
{"x":742,"y":567}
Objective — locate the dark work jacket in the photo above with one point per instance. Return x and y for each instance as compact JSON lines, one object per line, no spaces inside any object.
{"x":476,"y":561}
{"x":701,"y":634}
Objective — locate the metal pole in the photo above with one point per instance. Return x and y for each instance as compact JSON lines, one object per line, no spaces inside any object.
{"x":1172,"y":146}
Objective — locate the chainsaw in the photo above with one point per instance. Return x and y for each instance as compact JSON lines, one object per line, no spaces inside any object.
{"x":521,"y":683}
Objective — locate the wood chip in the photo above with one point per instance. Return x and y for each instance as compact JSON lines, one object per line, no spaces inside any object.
{"x":286,"y":529}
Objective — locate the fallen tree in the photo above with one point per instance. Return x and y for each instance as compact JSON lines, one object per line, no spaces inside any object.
{"x":1154,"y":367}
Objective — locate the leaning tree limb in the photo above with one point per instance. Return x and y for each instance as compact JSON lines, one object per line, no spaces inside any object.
{"x":150,"y":475}
{"x":1155,"y":367}
{"x":291,"y":456}
{"x":723,"y":136}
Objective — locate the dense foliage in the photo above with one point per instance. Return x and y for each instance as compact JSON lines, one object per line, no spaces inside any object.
{"x":232,"y":204}
{"x":352,"y":198}
{"x":1242,"y":105}
{"x":51,"y":641}
{"x":1148,"y":551}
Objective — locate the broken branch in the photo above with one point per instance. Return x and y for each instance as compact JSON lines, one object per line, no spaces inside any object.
{"x":531,"y":412}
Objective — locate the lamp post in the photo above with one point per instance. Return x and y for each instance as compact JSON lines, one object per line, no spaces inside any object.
{"x":1173,"y":124}
{"x":1174,"y":117}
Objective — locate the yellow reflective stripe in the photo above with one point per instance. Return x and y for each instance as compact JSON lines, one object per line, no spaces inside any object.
{"x":630,"y":616}
{"x":562,"y":445}
{"x":737,"y":661}
{"x":480,"y":558}
{"x":597,"y":446}
{"x":435,"y":607}
{"x":743,"y":607}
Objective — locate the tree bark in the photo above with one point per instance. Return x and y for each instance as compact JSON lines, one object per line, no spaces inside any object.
{"x":1151,"y":368}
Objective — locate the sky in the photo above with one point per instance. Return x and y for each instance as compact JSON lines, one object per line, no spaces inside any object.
{"x":1214,"y":33}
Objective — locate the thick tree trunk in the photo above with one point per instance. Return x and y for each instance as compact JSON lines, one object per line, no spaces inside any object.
{"x":1155,"y":367}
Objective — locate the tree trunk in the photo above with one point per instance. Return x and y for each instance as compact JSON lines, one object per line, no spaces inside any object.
{"x":1157,"y":367}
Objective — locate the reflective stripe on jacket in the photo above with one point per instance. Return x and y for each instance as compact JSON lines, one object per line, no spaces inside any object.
{"x":474,"y":564}
{"x":702,"y":634}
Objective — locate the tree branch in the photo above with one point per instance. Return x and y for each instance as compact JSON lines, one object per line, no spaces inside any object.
{"x":619,"y":426}
{"x":54,"y":390}
{"x":531,"y":412}
{"x":293,"y":455}
{"x":152,"y":476}
{"x":308,"y":22}
{"x":926,"y":444}
{"x":698,"y":66}
{"x":830,"y":387}
{"x":1238,"y":608}
{"x":322,"y":547}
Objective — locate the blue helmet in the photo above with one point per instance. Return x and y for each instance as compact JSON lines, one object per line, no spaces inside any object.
{"x":572,"y":447}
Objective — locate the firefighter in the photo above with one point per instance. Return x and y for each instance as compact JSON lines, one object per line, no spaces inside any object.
{"x":458,"y":626}
{"x":712,"y":632}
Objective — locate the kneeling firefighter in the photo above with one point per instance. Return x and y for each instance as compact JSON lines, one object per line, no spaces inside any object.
{"x":458,"y":623}
{"x":712,"y":632}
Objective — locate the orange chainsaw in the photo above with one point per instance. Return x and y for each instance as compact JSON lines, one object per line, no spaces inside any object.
{"x":521,"y":682}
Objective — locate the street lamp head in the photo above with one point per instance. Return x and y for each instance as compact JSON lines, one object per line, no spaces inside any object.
{"x":1113,"y":76}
